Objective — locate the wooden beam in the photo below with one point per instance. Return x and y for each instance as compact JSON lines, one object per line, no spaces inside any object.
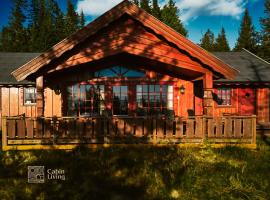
{"x":40,"y":96}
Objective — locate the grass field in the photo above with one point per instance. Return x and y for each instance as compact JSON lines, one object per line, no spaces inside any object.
{"x":141,"y":172}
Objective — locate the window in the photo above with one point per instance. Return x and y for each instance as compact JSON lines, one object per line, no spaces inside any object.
{"x":119,"y":71}
{"x":224,"y":96}
{"x":85,"y":100}
{"x":154,"y":99}
{"x":120,"y":100}
{"x":29,"y":97}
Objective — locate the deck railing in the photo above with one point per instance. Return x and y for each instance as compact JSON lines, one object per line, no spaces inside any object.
{"x":100,"y":130}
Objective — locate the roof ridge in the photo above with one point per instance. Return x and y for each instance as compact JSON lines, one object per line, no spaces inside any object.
{"x":259,"y":58}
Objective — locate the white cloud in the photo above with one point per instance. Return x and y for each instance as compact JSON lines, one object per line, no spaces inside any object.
{"x":95,"y":7}
{"x":191,"y":9}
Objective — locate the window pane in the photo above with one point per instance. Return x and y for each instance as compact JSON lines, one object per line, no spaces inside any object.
{"x":29,"y":96}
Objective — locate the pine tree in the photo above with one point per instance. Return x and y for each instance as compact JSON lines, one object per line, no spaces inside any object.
{"x":221,"y":43}
{"x":169,"y":15}
{"x":72,"y":19}
{"x":264,"y":50}
{"x":136,"y":2}
{"x":208,"y":40}
{"x":145,"y":4}
{"x":156,"y":9}
{"x":82,"y":19}
{"x":14,"y":36}
{"x":247,"y":35}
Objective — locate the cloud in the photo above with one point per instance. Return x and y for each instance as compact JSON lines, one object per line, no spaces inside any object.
{"x":95,"y":7}
{"x":191,"y":9}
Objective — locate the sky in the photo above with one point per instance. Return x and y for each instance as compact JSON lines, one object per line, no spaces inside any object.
{"x":196,"y":15}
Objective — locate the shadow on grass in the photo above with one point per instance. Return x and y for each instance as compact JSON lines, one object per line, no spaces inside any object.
{"x":138,"y":172}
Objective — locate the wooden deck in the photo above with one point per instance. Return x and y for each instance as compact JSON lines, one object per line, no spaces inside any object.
{"x":38,"y":133}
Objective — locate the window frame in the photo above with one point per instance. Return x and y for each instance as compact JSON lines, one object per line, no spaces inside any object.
{"x":224,"y":96}
{"x":161,"y":108}
{"x":81,"y":98}
{"x":24,"y":96}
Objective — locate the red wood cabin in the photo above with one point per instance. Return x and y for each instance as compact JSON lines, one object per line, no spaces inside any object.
{"x":128,"y":63}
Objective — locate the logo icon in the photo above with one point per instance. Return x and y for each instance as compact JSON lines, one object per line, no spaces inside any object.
{"x":36,"y":174}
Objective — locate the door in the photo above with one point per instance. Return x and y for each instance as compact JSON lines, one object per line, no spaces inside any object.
{"x":246,"y":101}
{"x":120,"y":100}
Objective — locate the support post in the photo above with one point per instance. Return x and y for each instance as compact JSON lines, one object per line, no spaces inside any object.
{"x":4,"y":133}
{"x":208,"y":102}
{"x":254,"y":130}
{"x":40,"y":96}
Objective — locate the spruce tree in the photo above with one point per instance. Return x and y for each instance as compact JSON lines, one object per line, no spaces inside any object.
{"x":247,"y":35}
{"x":169,"y":15}
{"x":82,"y":19}
{"x":221,"y":43}
{"x":264,"y":51}
{"x":14,"y":36}
{"x":136,"y":2}
{"x":145,"y":4}
{"x":72,"y":19}
{"x":156,"y":9}
{"x":208,"y":40}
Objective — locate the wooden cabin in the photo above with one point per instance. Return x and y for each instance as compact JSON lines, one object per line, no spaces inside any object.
{"x":126,"y":63}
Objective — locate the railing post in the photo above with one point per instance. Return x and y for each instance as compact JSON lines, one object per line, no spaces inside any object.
{"x":4,"y":133}
{"x":254,"y":135}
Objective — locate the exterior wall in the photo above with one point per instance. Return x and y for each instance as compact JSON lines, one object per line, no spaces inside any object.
{"x":53,"y":103}
{"x":258,"y":106}
{"x":263,"y":104}
{"x":12,"y":103}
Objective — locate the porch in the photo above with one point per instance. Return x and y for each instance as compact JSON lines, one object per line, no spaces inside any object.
{"x":69,"y":132}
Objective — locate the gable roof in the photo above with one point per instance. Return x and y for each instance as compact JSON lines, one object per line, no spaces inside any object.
{"x":251,"y":67}
{"x":136,"y":13}
{"x":11,"y":61}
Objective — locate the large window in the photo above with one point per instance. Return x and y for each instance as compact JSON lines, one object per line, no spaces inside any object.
{"x":154,"y":99}
{"x":120,"y":100}
{"x":224,"y":97}
{"x":29,"y":97}
{"x":85,"y":100}
{"x":119,"y":71}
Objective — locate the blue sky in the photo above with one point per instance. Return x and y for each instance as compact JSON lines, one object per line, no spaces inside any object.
{"x":197,"y":15}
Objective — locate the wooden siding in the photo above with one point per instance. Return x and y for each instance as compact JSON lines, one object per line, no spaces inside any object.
{"x":263,"y":104}
{"x":13,"y":105}
{"x":258,"y":104}
{"x":53,"y":103}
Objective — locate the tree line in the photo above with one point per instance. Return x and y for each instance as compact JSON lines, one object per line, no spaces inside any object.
{"x":36,"y":25}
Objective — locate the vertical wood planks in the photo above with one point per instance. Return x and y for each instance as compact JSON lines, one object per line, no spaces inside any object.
{"x":21,"y":128}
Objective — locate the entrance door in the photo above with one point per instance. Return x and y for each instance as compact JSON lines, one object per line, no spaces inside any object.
{"x":120,"y":100}
{"x":246,"y":101}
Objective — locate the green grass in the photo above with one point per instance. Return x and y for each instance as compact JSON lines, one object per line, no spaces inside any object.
{"x":141,"y":173}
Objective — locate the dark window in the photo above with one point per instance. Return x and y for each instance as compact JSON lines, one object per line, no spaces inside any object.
{"x":119,"y":71}
{"x":154,"y":99}
{"x":85,"y":100}
{"x":224,"y":96}
{"x":120,"y":100}
{"x":29,"y":97}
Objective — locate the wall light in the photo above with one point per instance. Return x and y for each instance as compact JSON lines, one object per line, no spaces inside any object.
{"x":182,"y":89}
